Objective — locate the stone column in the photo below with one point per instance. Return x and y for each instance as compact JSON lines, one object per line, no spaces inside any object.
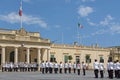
{"x":48,"y":54}
{"x":28,"y":55}
{"x":38,"y":58}
{"x":3,"y":55}
{"x":16,"y":55}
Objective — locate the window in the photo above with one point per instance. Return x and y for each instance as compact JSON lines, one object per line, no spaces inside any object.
{"x":52,"y":58}
{"x":66,"y":58}
{"x":101,"y":59}
{"x":77,"y":59}
{"x":88,"y":59}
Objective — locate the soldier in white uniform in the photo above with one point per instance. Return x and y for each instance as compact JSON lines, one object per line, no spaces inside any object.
{"x":56,"y":67}
{"x":111,"y":69}
{"x":74,"y":67}
{"x":118,"y":68}
{"x":51,"y":67}
{"x":84,"y":68}
{"x":115,"y":69}
{"x":78,"y":68}
{"x":96,"y":68}
{"x":108,"y":68}
{"x":42,"y":67}
{"x":60,"y":67}
{"x":3,"y":67}
{"x":65,"y":67}
{"x":46,"y":67}
{"x":69,"y":66}
{"x":101,"y":68}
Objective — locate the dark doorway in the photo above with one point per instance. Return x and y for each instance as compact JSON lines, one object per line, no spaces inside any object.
{"x":0,"y":59}
{"x":77,"y":59}
{"x":35,"y":59}
{"x":12,"y":56}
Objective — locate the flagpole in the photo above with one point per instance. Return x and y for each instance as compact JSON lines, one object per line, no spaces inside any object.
{"x":20,"y":14}
{"x":21,"y":22}
{"x":78,"y":34}
{"x":62,"y":37}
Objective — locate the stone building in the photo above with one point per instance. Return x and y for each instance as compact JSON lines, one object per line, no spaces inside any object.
{"x":115,"y":53}
{"x":22,"y":46}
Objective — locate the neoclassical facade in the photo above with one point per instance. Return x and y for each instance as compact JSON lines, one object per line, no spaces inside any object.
{"x":22,"y":46}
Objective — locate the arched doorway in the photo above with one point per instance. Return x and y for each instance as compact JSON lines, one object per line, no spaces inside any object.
{"x":12,"y":56}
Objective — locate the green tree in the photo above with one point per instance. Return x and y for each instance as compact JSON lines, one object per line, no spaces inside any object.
{"x":70,"y":57}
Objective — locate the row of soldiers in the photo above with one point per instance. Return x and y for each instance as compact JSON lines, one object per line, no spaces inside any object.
{"x":21,"y":66}
{"x":49,"y":67}
{"x":113,"y":69}
{"x":45,"y":67}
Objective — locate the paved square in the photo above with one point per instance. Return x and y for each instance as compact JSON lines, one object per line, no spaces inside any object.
{"x":40,"y":76}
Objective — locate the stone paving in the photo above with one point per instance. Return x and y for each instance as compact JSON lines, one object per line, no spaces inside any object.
{"x":40,"y":76}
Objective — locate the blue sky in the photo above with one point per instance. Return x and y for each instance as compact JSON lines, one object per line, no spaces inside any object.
{"x":58,"y":20}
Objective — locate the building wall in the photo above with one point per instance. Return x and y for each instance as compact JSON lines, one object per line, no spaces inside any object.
{"x":95,"y":53}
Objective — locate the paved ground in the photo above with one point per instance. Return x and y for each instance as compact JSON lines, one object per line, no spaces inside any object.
{"x":40,"y":76}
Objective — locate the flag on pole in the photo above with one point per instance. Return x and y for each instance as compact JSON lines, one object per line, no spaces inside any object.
{"x":20,"y":10}
{"x":80,"y":26}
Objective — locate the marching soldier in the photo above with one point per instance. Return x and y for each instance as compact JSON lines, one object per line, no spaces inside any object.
{"x":74,"y":67}
{"x":78,"y":68}
{"x":96,"y":68}
{"x":84,"y":68}
{"x":69,"y":66}
{"x":43,"y":66}
{"x":50,"y":67}
{"x":29,"y":67}
{"x":108,"y":68}
{"x":118,"y":69}
{"x":56,"y":67}
{"x":101,"y":68}
{"x":46,"y":67}
{"x":60,"y":67}
{"x":3,"y":67}
{"x":115,"y":68}
{"x":65,"y":67}
{"x":111,"y":69}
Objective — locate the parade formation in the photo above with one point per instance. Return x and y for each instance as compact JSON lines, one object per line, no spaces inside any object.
{"x":113,"y":68}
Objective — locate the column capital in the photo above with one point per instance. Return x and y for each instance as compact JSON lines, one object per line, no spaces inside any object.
{"x":3,"y":46}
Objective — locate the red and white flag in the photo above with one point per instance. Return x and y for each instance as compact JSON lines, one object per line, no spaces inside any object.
{"x":20,"y":10}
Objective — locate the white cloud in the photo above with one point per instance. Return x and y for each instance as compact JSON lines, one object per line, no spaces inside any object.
{"x":115,"y":28}
{"x":91,"y":23}
{"x":84,"y":11}
{"x":107,"y":26}
{"x":106,"y":20}
{"x":101,"y":31}
{"x":27,"y":19}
